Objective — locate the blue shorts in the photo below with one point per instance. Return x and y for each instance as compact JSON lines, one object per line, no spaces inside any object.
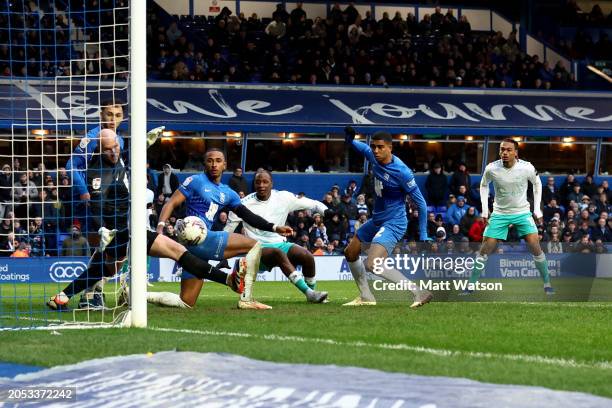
{"x":213,"y":247}
{"x":387,"y":234}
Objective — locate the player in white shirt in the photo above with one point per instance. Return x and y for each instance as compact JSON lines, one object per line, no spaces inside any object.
{"x":276,"y":251}
{"x":509,"y":176}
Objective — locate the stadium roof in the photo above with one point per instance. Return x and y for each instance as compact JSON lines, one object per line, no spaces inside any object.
{"x":283,"y":108}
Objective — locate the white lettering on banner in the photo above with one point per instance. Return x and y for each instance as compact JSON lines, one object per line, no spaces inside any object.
{"x":12,"y":277}
{"x":497,"y":111}
{"x":252,"y":106}
{"x":66,"y":271}
{"x":540,"y":113}
{"x":581,"y":112}
{"x":183,"y":107}
{"x":470,"y":111}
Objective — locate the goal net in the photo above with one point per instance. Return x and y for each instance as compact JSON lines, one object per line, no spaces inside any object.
{"x":66,"y":125}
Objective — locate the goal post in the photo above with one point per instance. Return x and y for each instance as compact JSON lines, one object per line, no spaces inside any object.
{"x":138,"y":128}
{"x":67,"y":62}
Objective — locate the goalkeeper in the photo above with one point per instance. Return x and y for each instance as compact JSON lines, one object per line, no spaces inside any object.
{"x":111,"y":116}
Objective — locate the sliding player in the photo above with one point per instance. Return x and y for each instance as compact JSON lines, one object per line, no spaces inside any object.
{"x":205,"y":196}
{"x":109,"y":191}
{"x":510,"y":176}
{"x":275,"y":206}
{"x":392,"y":181}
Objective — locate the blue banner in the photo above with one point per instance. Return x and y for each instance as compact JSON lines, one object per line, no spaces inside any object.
{"x":52,"y":269}
{"x":183,"y":106}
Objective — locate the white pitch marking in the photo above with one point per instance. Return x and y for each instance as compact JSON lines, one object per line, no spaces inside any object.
{"x":561,"y":362}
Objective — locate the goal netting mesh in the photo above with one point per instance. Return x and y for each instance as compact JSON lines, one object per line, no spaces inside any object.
{"x":65,"y":69}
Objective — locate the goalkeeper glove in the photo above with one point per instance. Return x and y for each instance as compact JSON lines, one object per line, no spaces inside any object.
{"x":153,"y":134}
{"x":349,"y":134}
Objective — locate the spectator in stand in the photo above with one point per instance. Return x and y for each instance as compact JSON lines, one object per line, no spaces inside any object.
{"x":362,"y":207}
{"x":237,"y":182}
{"x":456,"y":234}
{"x":584,"y":229}
{"x":24,"y":191}
{"x":588,"y":186}
{"x":329,"y":202}
{"x":606,"y":189}
{"x":331,"y":250}
{"x":436,"y":186}
{"x":603,"y":204}
{"x":601,"y":231}
{"x":554,"y":246}
{"x":348,"y":207}
{"x":551,"y":208}
{"x":550,"y":191}
{"x":76,"y":244}
{"x":276,"y":29}
{"x":6,"y":190}
{"x":457,"y":211}
{"x":461,"y":177}
{"x":476,"y":230}
{"x":167,"y":182}
{"x":575,"y":195}
{"x":585,"y":245}
{"x":467,"y":220}
{"x":22,"y":251}
{"x":318,"y":246}
{"x":363,"y":218}
{"x":36,"y":237}
{"x":566,"y":188}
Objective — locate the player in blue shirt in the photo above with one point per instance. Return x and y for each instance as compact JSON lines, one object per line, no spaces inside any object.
{"x":392,"y":181}
{"x":205,"y":196}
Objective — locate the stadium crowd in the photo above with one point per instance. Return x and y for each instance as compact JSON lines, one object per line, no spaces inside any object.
{"x":288,"y":47}
{"x":346,"y":49}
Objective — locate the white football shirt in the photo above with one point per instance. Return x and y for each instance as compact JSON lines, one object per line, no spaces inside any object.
{"x":510,"y":186}
{"x":275,"y":210}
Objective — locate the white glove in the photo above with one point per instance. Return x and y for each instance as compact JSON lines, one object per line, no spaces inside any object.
{"x":106,"y":237}
{"x":153,"y":134}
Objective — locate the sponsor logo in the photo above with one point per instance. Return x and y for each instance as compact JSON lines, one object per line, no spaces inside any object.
{"x":66,"y":271}
{"x":187,"y":181}
{"x":96,"y":183}
{"x":222,"y":197}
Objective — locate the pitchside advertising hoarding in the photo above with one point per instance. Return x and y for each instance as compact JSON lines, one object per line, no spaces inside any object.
{"x":335,"y":268}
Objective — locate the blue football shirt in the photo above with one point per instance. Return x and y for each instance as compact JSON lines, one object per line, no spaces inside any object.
{"x":205,"y":198}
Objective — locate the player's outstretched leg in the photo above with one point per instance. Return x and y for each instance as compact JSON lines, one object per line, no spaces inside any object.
{"x":92,"y":275}
{"x":358,"y":270}
{"x":272,"y":256}
{"x":533,"y":243}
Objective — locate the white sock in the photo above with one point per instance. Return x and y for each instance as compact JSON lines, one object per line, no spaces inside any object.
{"x":359,"y":274}
{"x":166,"y":299}
{"x":396,"y":276}
{"x":252,"y":259}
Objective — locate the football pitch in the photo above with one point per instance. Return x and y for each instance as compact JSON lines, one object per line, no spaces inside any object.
{"x":558,"y":345}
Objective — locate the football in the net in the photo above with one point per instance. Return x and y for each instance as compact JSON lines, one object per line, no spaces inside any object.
{"x":191,"y":231}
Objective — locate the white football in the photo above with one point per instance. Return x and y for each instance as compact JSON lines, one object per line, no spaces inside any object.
{"x":191,"y":231}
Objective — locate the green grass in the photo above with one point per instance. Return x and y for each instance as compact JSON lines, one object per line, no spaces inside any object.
{"x":580,"y":332}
